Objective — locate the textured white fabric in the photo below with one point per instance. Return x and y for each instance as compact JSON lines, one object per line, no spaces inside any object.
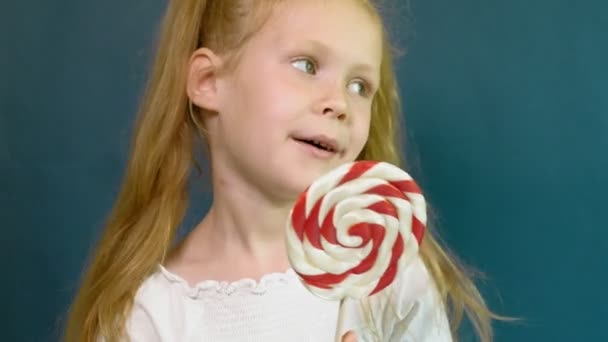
{"x":279,"y":308}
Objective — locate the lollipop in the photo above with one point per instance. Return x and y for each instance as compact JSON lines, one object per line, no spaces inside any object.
{"x":354,"y":228}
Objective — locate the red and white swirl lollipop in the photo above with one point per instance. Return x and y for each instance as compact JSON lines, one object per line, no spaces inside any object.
{"x":354,"y":228}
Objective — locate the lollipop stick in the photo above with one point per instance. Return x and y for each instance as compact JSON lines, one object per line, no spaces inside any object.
{"x":340,"y":321}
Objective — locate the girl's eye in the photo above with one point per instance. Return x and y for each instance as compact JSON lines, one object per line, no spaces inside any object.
{"x":359,"y":87}
{"x":305,"y":65}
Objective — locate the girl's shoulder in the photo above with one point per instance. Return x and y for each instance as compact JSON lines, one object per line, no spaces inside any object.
{"x":159,"y":309}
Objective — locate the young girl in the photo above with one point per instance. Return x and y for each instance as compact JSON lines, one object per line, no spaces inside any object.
{"x":255,"y":79}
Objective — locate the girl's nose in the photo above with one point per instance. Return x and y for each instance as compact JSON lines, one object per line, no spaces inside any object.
{"x":334,"y":102}
{"x":337,"y":110}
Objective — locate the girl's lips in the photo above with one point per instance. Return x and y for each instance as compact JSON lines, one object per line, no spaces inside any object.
{"x":315,"y":151}
{"x":328,"y":142}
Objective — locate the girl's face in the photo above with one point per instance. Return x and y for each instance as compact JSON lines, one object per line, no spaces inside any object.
{"x":307,"y":77}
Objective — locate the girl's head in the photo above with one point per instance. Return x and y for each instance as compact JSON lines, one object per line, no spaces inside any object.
{"x":251,"y":78}
{"x":309,"y":73}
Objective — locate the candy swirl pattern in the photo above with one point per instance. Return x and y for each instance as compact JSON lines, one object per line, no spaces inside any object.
{"x":354,"y":228}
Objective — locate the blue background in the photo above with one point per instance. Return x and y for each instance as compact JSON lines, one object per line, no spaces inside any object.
{"x":507,"y":117}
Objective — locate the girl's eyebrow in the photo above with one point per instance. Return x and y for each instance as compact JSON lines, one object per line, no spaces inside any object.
{"x":318,"y":46}
{"x":325,"y":50}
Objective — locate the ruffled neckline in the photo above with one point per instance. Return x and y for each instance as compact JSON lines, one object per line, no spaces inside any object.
{"x":229,"y":288}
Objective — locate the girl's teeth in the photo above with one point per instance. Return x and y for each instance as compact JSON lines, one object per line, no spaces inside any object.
{"x":322,"y":145}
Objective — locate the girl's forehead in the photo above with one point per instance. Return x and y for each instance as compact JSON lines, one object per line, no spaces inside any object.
{"x":343,"y":26}
{"x":319,"y":11}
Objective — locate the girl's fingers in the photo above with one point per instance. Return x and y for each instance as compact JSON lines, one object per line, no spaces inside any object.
{"x":349,"y":337}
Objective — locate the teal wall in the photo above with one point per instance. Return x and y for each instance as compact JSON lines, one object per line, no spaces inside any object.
{"x":507,"y":116}
{"x":508,"y":109}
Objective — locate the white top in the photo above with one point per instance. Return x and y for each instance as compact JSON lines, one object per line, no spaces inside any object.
{"x":280,"y":308}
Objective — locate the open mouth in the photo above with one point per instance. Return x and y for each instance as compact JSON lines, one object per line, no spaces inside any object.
{"x":318,"y":144}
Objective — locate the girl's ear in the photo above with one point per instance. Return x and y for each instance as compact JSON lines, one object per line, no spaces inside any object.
{"x":203,"y":71}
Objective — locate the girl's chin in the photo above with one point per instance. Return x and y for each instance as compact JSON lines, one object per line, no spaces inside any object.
{"x":296,"y":182}
{"x":294,"y":189}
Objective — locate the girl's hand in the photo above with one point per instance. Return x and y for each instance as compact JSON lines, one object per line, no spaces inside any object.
{"x":349,"y":337}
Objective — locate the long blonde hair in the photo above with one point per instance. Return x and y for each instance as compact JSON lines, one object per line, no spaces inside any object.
{"x":153,"y":198}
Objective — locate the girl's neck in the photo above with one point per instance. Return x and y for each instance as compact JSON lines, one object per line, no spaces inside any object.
{"x":241,"y":236}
